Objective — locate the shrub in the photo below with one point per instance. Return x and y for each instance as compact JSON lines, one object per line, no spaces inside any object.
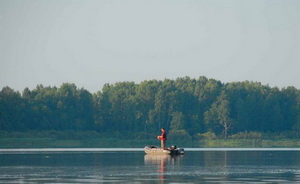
{"x":207,"y":135}
{"x":246,"y":135}
{"x":179,"y":135}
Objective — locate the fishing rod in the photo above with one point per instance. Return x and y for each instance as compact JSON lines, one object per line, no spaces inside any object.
{"x":149,"y":134}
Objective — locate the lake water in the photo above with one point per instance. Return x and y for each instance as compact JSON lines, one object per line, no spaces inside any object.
{"x":133,"y":166}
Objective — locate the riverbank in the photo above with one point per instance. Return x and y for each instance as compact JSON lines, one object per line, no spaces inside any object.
{"x":92,"y":139}
{"x":121,"y":143}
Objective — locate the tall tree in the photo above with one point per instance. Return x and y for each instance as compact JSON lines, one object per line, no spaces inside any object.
{"x":219,"y":113}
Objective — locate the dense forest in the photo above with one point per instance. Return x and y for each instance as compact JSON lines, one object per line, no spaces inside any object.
{"x":187,"y":108}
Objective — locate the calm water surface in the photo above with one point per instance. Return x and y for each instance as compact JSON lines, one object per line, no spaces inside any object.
{"x":133,"y":166}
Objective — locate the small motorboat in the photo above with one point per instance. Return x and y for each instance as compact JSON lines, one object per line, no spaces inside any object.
{"x":167,"y":151}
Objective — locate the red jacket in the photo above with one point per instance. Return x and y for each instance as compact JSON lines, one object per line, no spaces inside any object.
{"x":163,"y":135}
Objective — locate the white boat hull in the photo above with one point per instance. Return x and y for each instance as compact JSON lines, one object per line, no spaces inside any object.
{"x":160,"y":151}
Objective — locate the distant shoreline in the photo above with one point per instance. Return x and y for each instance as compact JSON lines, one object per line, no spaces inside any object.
{"x":68,"y":150}
{"x":15,"y":143}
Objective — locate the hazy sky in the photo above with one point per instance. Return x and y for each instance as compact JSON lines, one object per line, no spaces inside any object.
{"x":91,"y":43}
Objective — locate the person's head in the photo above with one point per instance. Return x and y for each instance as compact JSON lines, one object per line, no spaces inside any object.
{"x":162,"y":129}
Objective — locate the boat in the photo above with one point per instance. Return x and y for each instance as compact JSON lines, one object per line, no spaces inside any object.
{"x":153,"y":150}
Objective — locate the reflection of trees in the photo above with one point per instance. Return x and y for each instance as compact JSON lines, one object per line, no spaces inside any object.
{"x":161,"y":162}
{"x":217,"y":162}
{"x":225,"y":163}
{"x":213,"y":158}
{"x":231,"y":158}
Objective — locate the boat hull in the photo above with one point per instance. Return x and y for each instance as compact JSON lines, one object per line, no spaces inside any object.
{"x":160,"y":151}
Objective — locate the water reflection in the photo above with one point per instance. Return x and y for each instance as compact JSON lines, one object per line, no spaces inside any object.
{"x":136,"y":167}
{"x":258,"y":167}
{"x":161,"y":163}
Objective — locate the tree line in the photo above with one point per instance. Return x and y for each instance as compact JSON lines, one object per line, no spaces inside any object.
{"x":186,"y":107}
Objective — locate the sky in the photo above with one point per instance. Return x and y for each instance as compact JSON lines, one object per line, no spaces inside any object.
{"x":94,"y":42}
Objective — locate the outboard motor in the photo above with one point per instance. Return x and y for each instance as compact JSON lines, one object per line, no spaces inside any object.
{"x":181,"y":151}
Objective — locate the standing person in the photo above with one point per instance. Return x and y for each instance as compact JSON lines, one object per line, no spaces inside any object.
{"x":163,"y":138}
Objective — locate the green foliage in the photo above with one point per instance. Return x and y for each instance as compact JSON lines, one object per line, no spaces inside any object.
{"x":219,"y":115}
{"x":207,"y":136}
{"x":246,"y":135}
{"x":177,"y":122}
{"x":179,"y":135}
{"x":184,"y":107}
